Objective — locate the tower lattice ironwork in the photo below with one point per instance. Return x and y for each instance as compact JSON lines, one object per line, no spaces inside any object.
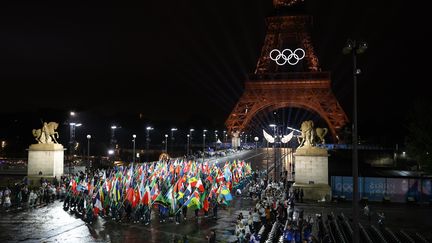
{"x":274,"y":86}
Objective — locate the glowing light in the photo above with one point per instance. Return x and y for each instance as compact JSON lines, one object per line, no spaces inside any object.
{"x":287,"y":59}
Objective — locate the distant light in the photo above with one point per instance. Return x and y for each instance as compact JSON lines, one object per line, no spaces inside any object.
{"x":72,"y":123}
{"x":88,"y":136}
{"x":272,"y":125}
{"x":188,"y":135}
{"x":149,"y":128}
{"x":166,"y":135}
{"x":256,"y":139}
{"x":110,"y":152}
{"x":134,"y":135}
{"x":113,"y":127}
{"x":203,"y":135}
{"x":204,"y":130}
{"x":403,"y":153}
{"x":72,"y":113}
{"x":78,"y":124}
{"x":137,"y":155}
{"x":173,"y":129}
{"x":294,"y":129}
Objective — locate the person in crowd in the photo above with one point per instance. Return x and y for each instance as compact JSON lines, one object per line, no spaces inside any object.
{"x":184,"y":212}
{"x":366,"y":212}
{"x":212,"y":237}
{"x":177,"y":214}
{"x":215,"y":210}
{"x":301,"y":194}
{"x":254,"y":238}
{"x":7,"y":200}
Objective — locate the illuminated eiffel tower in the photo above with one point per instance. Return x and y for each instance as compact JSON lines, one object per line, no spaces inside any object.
{"x":273,"y":86}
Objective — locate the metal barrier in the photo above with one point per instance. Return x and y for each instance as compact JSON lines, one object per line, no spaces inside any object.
{"x":407,"y":237}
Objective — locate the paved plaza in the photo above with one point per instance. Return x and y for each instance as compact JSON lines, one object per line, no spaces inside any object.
{"x":52,"y":224}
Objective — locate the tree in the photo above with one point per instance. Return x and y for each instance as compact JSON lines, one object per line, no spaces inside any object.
{"x":419,"y":138}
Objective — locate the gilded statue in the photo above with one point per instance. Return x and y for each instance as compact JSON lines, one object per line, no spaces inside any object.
{"x":309,"y":134}
{"x":47,"y":134}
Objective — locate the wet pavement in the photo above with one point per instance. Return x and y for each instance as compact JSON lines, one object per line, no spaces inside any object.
{"x":52,"y":224}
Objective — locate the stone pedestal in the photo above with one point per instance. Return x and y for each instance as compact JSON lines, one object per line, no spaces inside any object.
{"x":46,"y":158}
{"x":235,"y":142}
{"x":311,"y":172}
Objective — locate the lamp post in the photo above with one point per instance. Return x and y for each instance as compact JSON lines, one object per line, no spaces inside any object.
{"x":113,"y":140}
{"x":216,"y":139}
{"x":274,"y":149}
{"x":88,"y":150}
{"x":148,"y":129}
{"x":133,"y":153}
{"x":111,"y":153}
{"x":354,"y":48}
{"x":187,"y":147}
{"x":166,"y":143}
{"x":72,"y":127}
{"x":190,"y":151}
{"x":256,"y":144}
{"x":204,"y":136}
{"x":172,"y":138}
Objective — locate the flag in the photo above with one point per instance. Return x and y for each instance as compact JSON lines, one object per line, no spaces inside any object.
{"x":200,"y":186}
{"x":98,"y":204}
{"x":193,"y":181}
{"x":146,"y":198}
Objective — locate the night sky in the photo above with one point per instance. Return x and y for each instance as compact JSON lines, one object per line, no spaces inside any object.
{"x":182,"y":61}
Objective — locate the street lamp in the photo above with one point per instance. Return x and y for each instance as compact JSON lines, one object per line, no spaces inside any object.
{"x":88,"y":150}
{"x":172,"y":137}
{"x":256,"y":143}
{"x":187,"y":147}
{"x":148,"y":129}
{"x":216,"y":139}
{"x":190,"y":140}
{"x":166,"y":141}
{"x":274,"y":148}
{"x":133,"y":153}
{"x":354,"y":48}
{"x":113,"y":140}
{"x":204,"y":135}
{"x":172,"y":133}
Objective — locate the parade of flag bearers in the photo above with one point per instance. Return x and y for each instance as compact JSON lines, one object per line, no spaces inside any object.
{"x":166,"y":187}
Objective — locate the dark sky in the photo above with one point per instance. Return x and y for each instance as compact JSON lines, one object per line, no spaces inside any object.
{"x":180,"y":60}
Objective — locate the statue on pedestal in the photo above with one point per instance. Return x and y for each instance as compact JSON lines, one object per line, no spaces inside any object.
{"x":47,"y":134}
{"x":309,"y":134}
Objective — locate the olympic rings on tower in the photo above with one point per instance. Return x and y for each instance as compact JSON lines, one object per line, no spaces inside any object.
{"x":292,"y":55}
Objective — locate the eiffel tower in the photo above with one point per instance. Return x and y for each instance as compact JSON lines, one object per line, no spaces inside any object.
{"x":298,"y":83}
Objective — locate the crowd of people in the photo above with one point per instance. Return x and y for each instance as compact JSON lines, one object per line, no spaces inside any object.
{"x":130,"y":193}
{"x":22,"y":195}
{"x":275,"y":201}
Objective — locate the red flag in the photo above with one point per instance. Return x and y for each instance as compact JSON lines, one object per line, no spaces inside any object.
{"x":146,"y":197}
{"x":206,"y":205}
{"x":200,"y":186}
{"x":210,"y":178}
{"x":129,"y":194}
{"x":135,"y":199}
